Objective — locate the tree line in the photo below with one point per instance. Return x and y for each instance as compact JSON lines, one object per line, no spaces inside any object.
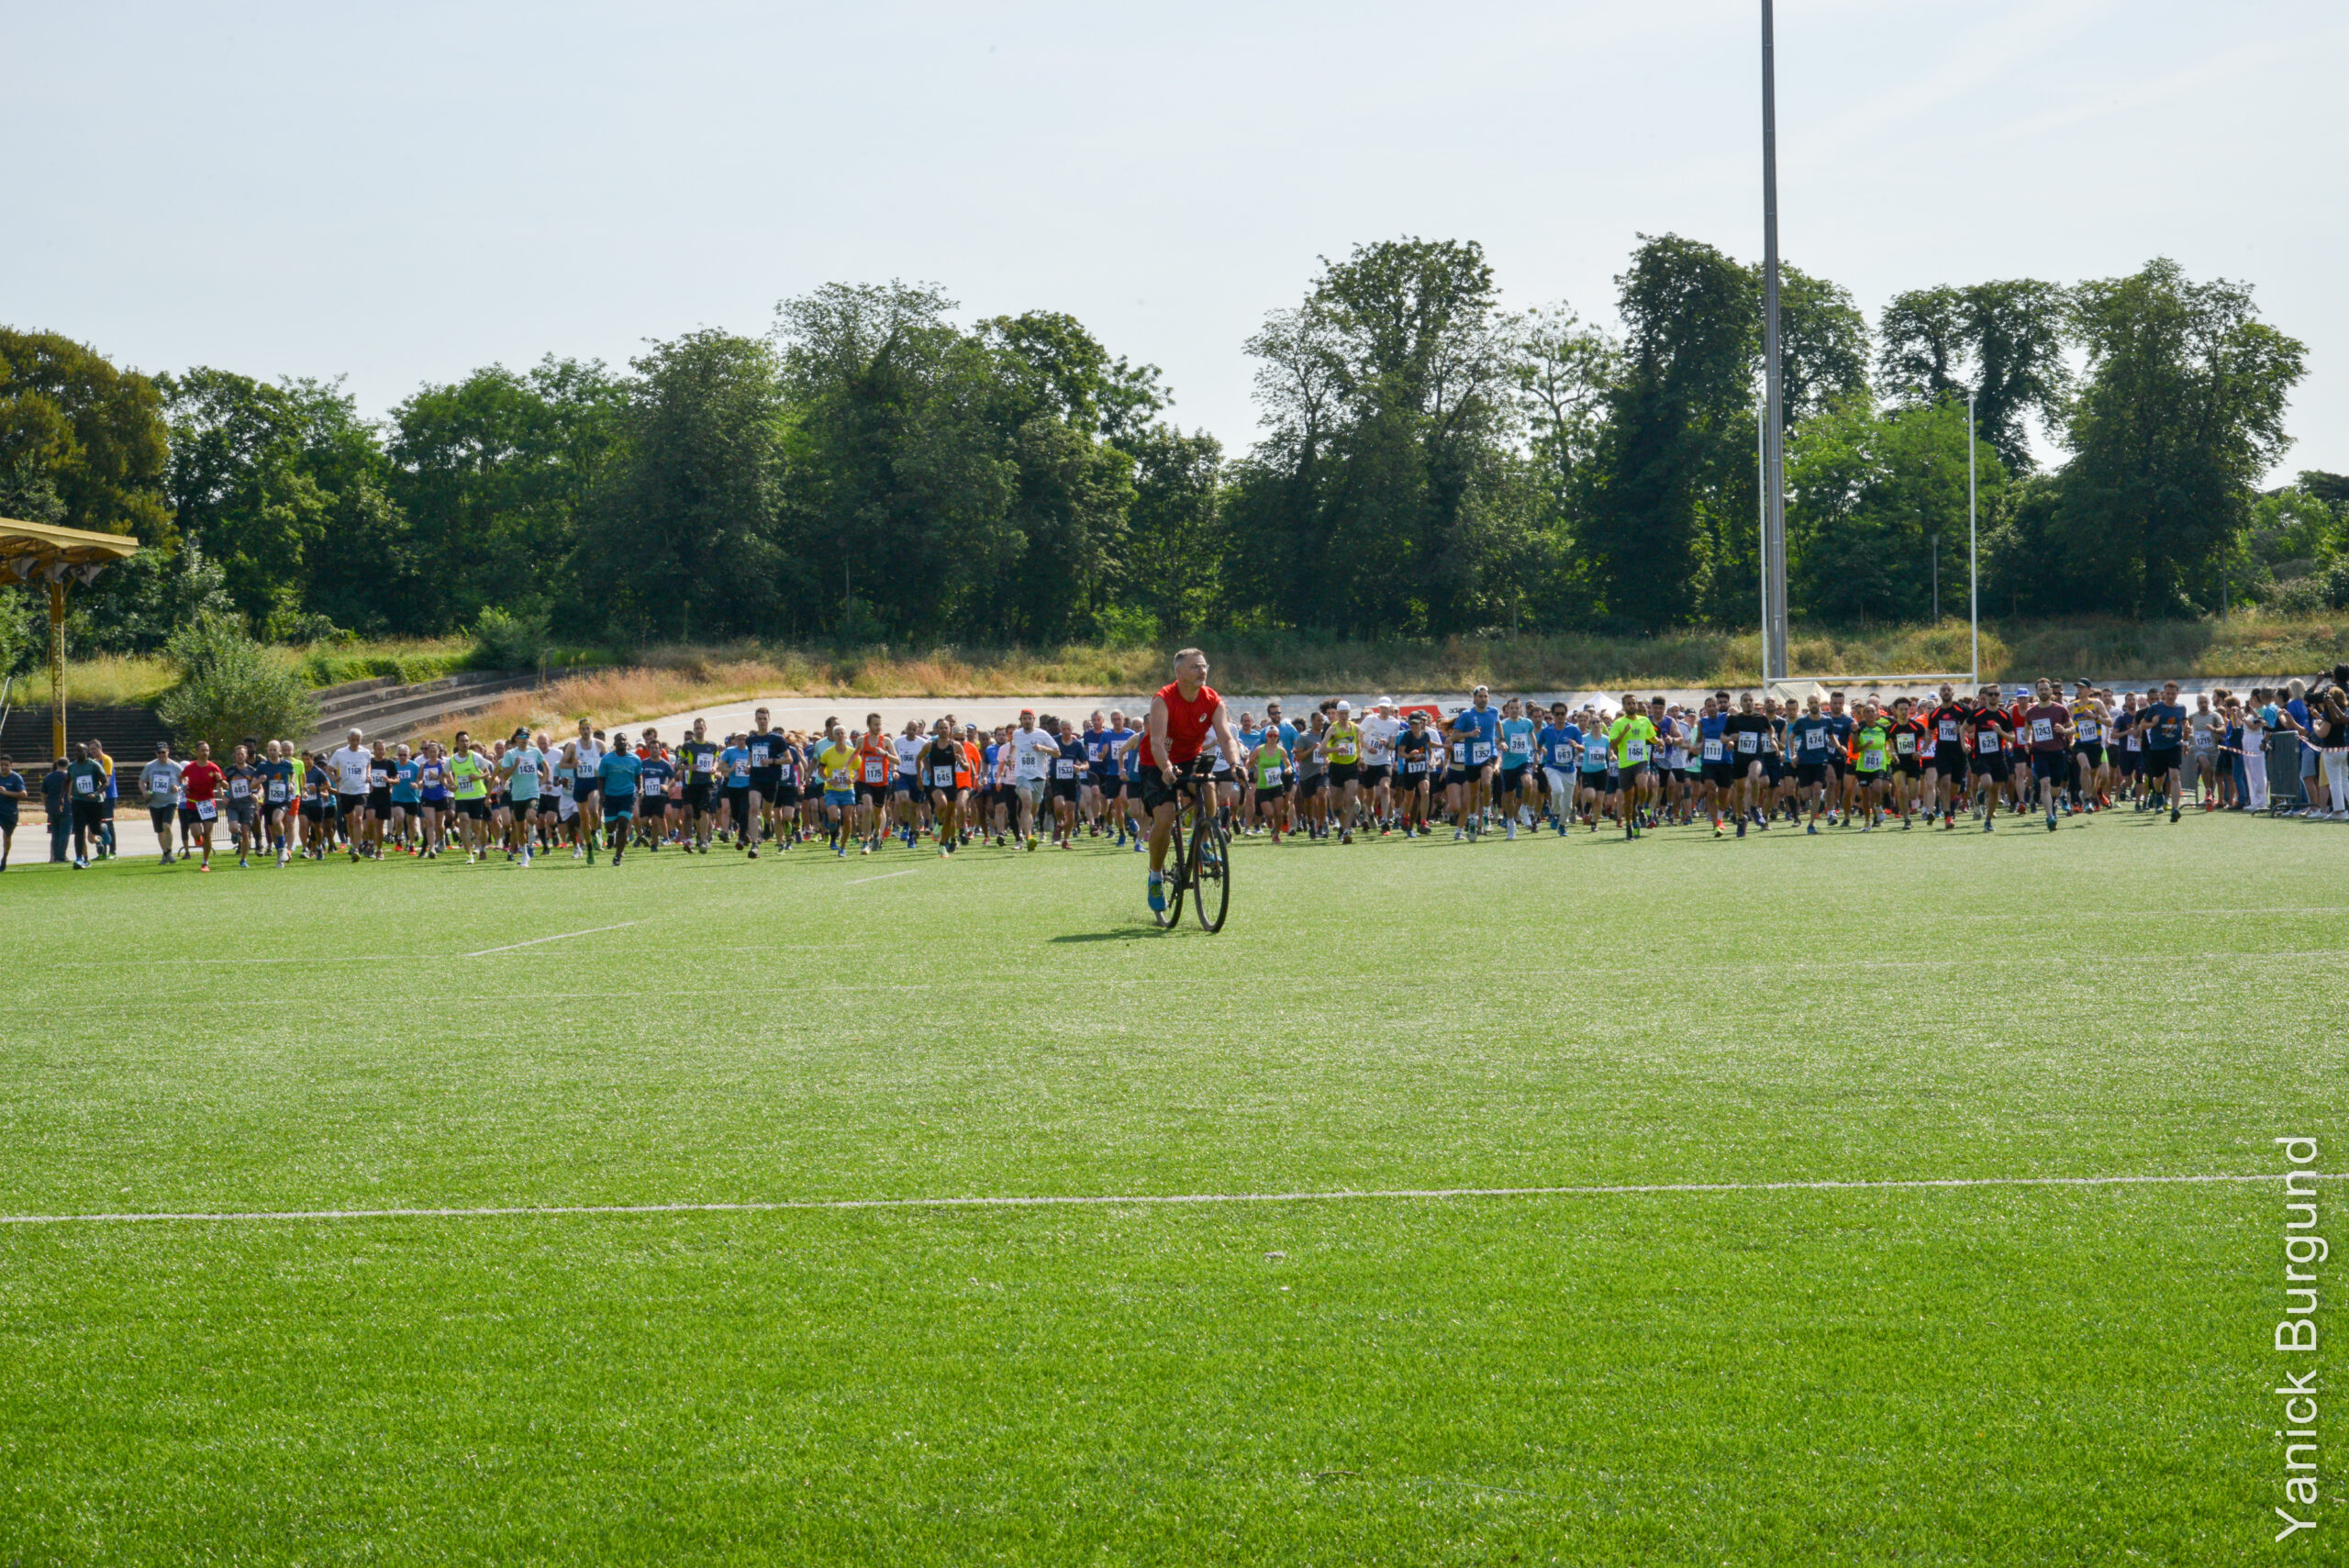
{"x":874,"y":469}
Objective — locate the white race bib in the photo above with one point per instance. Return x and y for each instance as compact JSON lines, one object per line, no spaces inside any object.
{"x":1635,"y":750}
{"x":941,"y":778}
{"x":1713,"y":750}
{"x":1871,"y":760}
{"x":206,"y":811}
{"x":2043,"y":730}
{"x":1986,"y":743}
{"x":1747,"y":742}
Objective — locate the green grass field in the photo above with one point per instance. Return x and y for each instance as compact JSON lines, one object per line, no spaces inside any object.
{"x":1994,"y":1375}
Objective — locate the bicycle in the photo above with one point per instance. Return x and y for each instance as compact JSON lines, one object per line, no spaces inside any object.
{"x":1199,"y":854}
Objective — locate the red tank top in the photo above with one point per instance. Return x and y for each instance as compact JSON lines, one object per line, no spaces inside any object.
{"x":1187,"y":723}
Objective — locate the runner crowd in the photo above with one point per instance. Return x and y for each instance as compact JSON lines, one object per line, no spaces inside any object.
{"x":1732,"y":763}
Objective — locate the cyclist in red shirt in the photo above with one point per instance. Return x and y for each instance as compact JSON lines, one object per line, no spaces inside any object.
{"x":200,"y":784}
{"x":1186,"y":711}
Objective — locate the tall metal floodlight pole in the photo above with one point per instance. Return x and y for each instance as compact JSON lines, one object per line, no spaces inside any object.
{"x":1773,"y":450}
{"x":1973,"y":547}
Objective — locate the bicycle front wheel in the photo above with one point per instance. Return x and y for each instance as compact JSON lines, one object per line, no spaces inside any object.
{"x":1211,"y":872}
{"x":1177,"y":861}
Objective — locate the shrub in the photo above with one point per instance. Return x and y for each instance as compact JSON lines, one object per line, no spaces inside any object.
{"x":229,"y":686}
{"x":509,"y":639}
{"x":2297,"y":596}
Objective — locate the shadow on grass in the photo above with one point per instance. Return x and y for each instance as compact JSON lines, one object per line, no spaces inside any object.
{"x":1122,"y":934}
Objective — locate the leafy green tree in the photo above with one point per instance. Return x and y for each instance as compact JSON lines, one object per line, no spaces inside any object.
{"x":2182,"y":413}
{"x":1378,"y":499}
{"x":683,"y":538}
{"x":229,"y":687}
{"x":492,"y":475}
{"x":1867,"y":493}
{"x":81,"y":444}
{"x":1822,"y":343}
{"x":1176,"y":542}
{"x":1564,"y":369}
{"x":1669,"y":467}
{"x":286,"y":487}
{"x":2002,"y":342}
{"x":899,"y":485}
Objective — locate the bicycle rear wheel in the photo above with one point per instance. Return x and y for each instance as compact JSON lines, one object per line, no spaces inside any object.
{"x":1211,"y":876}
{"x":1179,"y":854}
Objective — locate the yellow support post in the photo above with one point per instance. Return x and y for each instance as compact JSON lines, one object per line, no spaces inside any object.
{"x":56,"y":668}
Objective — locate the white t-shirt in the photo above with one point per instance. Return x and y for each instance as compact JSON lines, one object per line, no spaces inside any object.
{"x":351,"y":764}
{"x":1378,"y":734}
{"x":1033,"y":753}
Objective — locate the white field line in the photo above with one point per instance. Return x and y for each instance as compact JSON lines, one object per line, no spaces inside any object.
{"x":1742,"y":966}
{"x":1147,"y":1199}
{"x":882,"y":877}
{"x":558,"y":937}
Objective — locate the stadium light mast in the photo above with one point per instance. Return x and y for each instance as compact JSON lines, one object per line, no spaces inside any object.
{"x":1773,"y":448}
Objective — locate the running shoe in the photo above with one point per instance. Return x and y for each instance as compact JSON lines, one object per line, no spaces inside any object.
{"x":1157,"y":896}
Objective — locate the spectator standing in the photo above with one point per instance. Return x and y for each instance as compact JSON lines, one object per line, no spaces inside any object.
{"x":58,"y":803}
{"x":12,"y":798}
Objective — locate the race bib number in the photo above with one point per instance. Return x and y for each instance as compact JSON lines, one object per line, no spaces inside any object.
{"x":1712,"y":750}
{"x":85,"y":784}
{"x":239,"y":789}
{"x":1635,"y":750}
{"x":1949,"y":731}
{"x":379,"y":777}
{"x":277,"y":792}
{"x":1479,"y":752}
{"x":2089,"y":731}
{"x":2043,"y":730}
{"x":1986,"y":743}
{"x":876,"y":770}
{"x":2132,"y":741}
{"x":1415,"y":766}
{"x":1748,"y":743}
{"x":1872,"y":760}
{"x":1904,"y":743}
{"x":941,"y":778}
{"x":206,"y":811}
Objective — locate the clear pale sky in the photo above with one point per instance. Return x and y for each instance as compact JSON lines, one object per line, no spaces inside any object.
{"x":398,"y":194}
